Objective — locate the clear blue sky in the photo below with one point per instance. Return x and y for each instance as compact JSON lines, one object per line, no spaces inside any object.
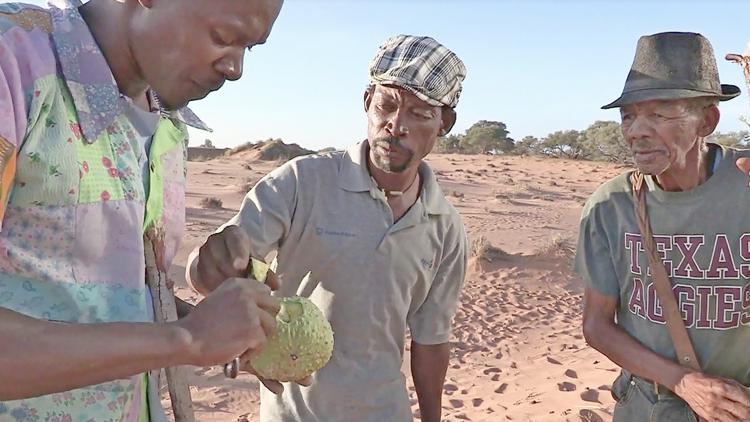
{"x":538,"y":66}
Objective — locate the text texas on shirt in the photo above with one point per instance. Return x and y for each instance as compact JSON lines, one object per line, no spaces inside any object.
{"x":697,"y":289}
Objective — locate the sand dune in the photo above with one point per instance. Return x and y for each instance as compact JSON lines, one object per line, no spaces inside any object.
{"x":518,"y":351}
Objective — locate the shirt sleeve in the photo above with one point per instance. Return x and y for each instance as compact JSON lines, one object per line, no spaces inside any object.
{"x":593,"y":260}
{"x":13,"y":117}
{"x":266,"y":212}
{"x":432,"y":322}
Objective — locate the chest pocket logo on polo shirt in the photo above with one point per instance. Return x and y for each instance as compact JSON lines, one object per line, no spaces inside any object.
{"x":321,"y":231}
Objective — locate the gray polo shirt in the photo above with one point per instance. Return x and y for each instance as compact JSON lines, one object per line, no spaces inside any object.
{"x":370,"y":276}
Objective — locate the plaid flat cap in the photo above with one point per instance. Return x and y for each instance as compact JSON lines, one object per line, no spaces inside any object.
{"x":420,"y":65}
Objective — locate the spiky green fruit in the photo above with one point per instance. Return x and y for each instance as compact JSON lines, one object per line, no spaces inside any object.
{"x":302,"y":344}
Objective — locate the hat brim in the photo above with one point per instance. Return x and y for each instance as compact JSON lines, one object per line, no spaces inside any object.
{"x":400,"y":84}
{"x":727,"y":93}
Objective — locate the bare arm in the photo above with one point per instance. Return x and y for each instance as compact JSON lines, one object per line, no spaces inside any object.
{"x":604,"y":335}
{"x":39,"y":357}
{"x":224,"y":255}
{"x":429,"y":364}
{"x":713,"y":398}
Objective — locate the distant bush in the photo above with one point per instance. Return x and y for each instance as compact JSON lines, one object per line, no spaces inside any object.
{"x":557,"y":247}
{"x":483,"y":249}
{"x":601,"y":141}
{"x":212,"y":203}
{"x":740,"y":139}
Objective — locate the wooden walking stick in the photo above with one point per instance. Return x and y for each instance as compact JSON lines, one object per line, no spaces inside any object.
{"x":165,"y":309}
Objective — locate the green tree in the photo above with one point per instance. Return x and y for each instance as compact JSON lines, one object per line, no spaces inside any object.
{"x":485,"y":137}
{"x":603,"y":141}
{"x":448,"y":144}
{"x":731,"y":139}
{"x":565,"y":144}
{"x":529,"y":145}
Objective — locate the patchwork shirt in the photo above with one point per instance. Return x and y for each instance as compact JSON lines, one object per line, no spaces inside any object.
{"x":83,"y":173}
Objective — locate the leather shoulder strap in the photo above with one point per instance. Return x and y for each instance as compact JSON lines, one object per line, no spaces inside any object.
{"x":683,"y":347}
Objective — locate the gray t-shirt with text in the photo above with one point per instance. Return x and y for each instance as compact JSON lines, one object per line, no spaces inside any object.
{"x":703,"y":236}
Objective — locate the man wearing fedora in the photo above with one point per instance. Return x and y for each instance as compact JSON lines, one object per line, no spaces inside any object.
{"x":694,"y":223}
{"x":385,"y":249}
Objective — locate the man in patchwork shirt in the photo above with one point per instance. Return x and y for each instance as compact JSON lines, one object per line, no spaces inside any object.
{"x":90,"y":159}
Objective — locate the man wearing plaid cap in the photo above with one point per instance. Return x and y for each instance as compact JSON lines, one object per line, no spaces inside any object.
{"x":385,"y":248}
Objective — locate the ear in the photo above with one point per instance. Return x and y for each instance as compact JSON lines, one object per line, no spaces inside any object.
{"x":711,"y":117}
{"x":368,"y":97}
{"x":449,"y":119}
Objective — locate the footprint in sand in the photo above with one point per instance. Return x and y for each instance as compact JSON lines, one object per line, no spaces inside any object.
{"x":587,"y":415}
{"x":553,"y":361}
{"x":450,"y":388}
{"x":477,"y":402}
{"x":590,"y":395}
{"x":502,"y":388}
{"x":456,"y":404}
{"x":566,"y":386}
{"x":571,"y":374}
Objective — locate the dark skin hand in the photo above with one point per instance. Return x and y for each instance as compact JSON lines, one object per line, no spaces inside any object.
{"x":225,"y":255}
{"x":712,"y":398}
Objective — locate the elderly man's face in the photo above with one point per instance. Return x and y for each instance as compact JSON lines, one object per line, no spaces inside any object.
{"x":663,"y":135}
{"x":401,"y":128}
{"x":186,"y":49}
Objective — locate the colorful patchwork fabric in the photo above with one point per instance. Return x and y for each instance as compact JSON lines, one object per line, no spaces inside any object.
{"x":78,"y":187}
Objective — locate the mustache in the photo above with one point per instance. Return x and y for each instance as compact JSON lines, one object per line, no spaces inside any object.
{"x":392,"y":141}
{"x":641,"y":145}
